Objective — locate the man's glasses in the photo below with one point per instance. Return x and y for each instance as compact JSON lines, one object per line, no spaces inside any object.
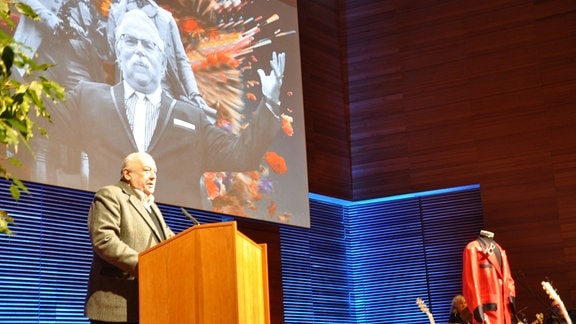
{"x":132,"y":42}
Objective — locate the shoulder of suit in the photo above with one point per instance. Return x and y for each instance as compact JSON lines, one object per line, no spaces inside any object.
{"x":181,"y":105}
{"x":85,"y":85}
{"x":110,"y":187}
{"x":117,"y":188}
{"x":163,"y":13}
{"x":474,"y":245}
{"x":125,"y":187}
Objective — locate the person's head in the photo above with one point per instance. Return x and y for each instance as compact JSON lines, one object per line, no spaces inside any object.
{"x":556,"y":307}
{"x":459,"y":304}
{"x":139,"y":170}
{"x":140,"y":51}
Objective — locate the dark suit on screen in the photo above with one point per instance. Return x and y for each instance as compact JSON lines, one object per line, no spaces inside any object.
{"x":185,"y":144}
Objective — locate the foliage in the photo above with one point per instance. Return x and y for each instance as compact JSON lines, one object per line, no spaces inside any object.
{"x":22,"y":99}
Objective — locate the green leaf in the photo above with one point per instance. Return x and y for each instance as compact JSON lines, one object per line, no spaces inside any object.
{"x":20,"y":185}
{"x":15,"y":192}
{"x":4,"y":220}
{"x":7,"y":59}
{"x":4,"y":6}
{"x":14,"y":161}
{"x":26,"y":10}
{"x":20,"y":98}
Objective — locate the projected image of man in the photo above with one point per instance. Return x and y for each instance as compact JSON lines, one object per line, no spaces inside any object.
{"x":137,"y":115}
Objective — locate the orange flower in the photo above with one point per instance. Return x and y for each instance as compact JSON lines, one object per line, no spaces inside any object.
{"x":223,"y":58}
{"x":211,"y":188}
{"x":213,"y":33}
{"x":276,"y":162}
{"x":254,"y":175}
{"x":234,"y":63}
{"x":212,"y":59}
{"x":104,"y":7}
{"x":251,"y":96}
{"x":272,"y":209}
{"x":287,"y":125}
{"x":188,"y":24}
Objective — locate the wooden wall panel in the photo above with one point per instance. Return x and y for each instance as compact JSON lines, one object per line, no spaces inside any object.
{"x":412,"y":95}
{"x":325,"y":93}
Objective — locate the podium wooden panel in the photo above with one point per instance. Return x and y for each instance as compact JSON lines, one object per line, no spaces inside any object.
{"x":209,"y":274}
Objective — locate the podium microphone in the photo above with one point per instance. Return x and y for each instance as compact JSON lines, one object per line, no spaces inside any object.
{"x":190,"y":217}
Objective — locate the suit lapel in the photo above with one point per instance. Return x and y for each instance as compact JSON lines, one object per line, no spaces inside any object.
{"x":163,"y":225}
{"x":494,"y":261}
{"x":139,"y":207}
{"x":117,"y":94}
{"x":135,"y":201}
{"x":491,"y":254}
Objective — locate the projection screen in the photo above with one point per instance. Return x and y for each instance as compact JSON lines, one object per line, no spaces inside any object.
{"x":213,"y":51}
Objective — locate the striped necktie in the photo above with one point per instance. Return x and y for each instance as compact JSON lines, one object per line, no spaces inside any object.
{"x":141,"y":114}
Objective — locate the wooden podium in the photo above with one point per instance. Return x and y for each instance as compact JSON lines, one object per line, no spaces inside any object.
{"x":207,"y":274}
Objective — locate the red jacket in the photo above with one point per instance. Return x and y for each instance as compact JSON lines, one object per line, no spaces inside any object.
{"x":487,"y":283}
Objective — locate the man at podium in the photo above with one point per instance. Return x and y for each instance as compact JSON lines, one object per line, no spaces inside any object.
{"x":123,"y":221}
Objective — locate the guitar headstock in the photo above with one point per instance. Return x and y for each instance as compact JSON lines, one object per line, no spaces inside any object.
{"x":422,"y":305}
{"x":425,"y":309}
{"x":550,"y":291}
{"x":554,"y":296}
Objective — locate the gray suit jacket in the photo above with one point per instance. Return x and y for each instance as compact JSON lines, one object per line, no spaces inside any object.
{"x":120,"y":228}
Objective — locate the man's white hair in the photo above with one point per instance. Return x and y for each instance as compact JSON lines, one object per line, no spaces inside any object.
{"x":137,"y":18}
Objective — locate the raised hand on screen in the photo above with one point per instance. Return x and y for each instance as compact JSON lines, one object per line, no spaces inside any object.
{"x":272,"y":82}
